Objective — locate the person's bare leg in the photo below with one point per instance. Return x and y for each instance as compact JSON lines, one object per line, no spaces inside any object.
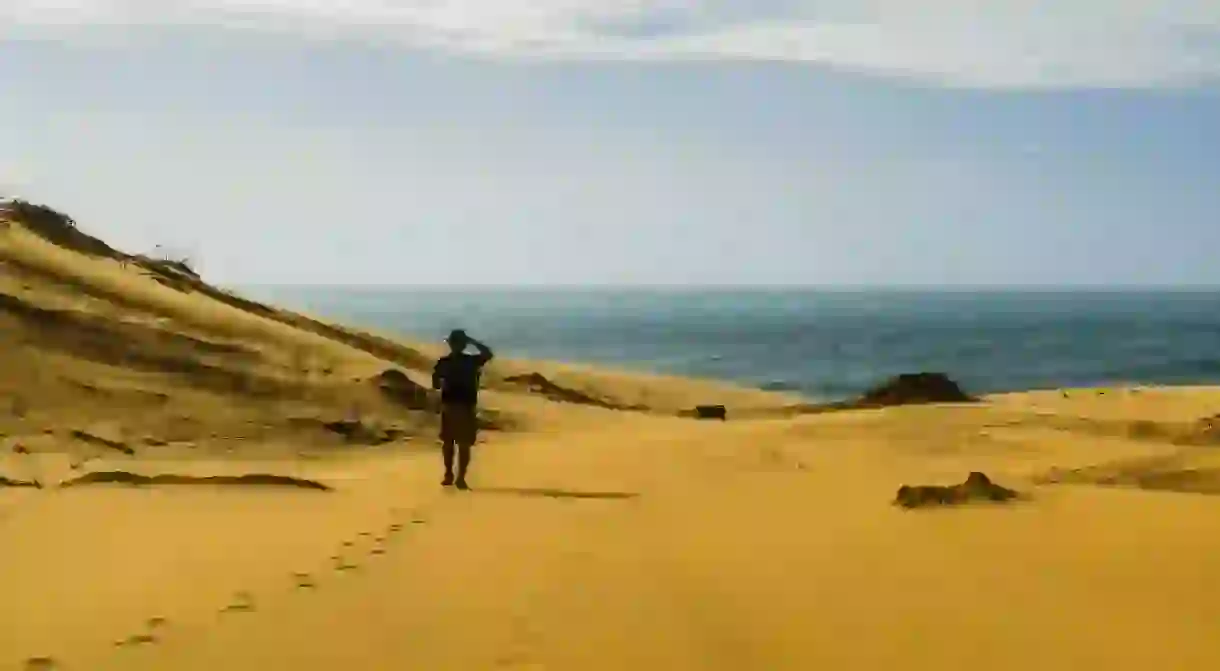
{"x":447,"y":454}
{"x":463,"y":454}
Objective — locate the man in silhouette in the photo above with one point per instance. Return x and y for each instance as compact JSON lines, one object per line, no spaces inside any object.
{"x":456,"y":375}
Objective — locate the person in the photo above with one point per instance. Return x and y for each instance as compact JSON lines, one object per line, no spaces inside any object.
{"x":456,"y":375}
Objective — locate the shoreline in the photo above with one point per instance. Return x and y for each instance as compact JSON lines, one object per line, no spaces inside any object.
{"x":833,"y":348}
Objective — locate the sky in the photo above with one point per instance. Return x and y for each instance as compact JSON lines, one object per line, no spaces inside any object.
{"x":624,"y":142}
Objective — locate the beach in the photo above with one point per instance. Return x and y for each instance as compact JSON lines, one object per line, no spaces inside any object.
{"x":825,"y":343}
{"x":298,"y":521}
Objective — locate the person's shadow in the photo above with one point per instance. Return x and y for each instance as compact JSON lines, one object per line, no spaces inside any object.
{"x":551,"y":493}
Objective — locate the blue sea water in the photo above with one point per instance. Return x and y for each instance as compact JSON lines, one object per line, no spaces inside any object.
{"x":827,"y":345}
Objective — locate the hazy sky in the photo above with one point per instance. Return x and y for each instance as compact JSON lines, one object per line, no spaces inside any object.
{"x":623,"y":141}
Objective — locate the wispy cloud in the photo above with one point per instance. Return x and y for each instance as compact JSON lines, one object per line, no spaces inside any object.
{"x":972,"y":43}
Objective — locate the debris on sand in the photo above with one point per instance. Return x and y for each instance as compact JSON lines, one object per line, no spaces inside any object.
{"x":9,"y":482}
{"x":912,"y":388}
{"x":977,"y":487}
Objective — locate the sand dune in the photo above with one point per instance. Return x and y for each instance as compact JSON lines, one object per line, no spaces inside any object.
{"x":190,"y":480}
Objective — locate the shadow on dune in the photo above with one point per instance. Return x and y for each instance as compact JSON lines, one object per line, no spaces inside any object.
{"x":8,"y":482}
{"x":538,"y":383}
{"x":555,"y":493}
{"x":1165,"y":473}
{"x":61,"y":230}
{"x":248,"y":480}
{"x":140,"y":347}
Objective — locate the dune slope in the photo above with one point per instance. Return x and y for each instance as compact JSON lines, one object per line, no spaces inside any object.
{"x":189,"y":480}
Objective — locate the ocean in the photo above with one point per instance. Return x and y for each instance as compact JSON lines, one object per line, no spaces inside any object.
{"x":824,"y":344}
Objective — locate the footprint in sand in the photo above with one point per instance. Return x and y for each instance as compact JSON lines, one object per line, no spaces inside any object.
{"x":518,"y":661}
{"x":151,"y":626}
{"x":394,"y":528}
{"x":243,"y":602}
{"x":525,"y":638}
{"x":342,"y":564}
{"x":136,"y":639}
{"x":304,"y":580}
{"x":40,"y":664}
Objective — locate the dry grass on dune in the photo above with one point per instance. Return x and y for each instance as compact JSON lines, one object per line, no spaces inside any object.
{"x":113,"y":354}
{"x":114,"y":341}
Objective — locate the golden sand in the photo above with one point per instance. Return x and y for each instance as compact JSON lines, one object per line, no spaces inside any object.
{"x":594,"y":538}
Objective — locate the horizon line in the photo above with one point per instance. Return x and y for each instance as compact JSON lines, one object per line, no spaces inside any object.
{"x":741,"y":287}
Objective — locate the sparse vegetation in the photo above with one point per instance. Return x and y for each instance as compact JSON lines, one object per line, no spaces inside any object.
{"x":35,"y":215}
{"x":54,"y":227}
{"x":174,"y":259}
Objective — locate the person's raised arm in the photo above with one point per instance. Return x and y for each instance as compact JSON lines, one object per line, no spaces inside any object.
{"x":485,"y":353}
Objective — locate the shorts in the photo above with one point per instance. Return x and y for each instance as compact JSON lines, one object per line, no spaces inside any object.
{"x":459,"y":424}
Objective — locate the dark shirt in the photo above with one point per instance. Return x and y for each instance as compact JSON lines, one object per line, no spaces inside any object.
{"x":457,"y":376}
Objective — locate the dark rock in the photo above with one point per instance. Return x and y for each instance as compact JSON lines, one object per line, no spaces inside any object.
{"x":977,"y":487}
{"x":396,"y":386}
{"x":912,"y":388}
{"x":711,"y":412}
